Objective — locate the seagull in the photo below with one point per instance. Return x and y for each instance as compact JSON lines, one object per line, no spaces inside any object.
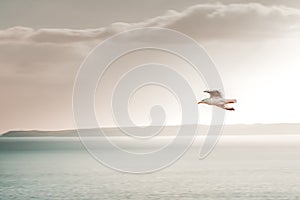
{"x":216,"y":99}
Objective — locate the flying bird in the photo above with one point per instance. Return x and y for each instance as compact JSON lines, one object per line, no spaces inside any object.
{"x":216,"y":99}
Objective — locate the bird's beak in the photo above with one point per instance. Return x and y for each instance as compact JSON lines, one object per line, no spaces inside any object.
{"x":206,"y":91}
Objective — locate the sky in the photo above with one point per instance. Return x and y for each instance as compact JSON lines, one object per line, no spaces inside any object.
{"x":255,"y":46}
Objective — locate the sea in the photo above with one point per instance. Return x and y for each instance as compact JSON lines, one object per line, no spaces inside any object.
{"x":241,"y":167}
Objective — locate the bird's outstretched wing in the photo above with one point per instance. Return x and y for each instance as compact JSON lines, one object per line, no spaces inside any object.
{"x":214,"y":93}
{"x":226,"y":107}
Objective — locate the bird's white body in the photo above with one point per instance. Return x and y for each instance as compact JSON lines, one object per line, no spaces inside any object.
{"x":216,"y":99}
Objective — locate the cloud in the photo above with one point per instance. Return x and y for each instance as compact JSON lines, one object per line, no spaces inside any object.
{"x":204,"y":21}
{"x":40,"y":53}
{"x":237,"y":21}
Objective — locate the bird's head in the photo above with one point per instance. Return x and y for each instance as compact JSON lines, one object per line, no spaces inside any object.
{"x":205,"y":101}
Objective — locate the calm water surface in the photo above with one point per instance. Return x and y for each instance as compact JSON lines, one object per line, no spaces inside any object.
{"x":241,"y":167}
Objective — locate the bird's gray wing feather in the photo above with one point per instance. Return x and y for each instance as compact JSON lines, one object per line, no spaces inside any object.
{"x":215,"y":94}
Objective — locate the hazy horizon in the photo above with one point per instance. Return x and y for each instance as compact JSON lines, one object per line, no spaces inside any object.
{"x":171,"y":130}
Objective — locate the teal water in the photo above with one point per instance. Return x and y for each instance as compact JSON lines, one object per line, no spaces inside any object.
{"x":240,"y":167}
